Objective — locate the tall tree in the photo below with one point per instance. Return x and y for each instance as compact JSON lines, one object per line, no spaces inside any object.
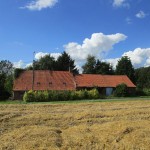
{"x":6,"y":67}
{"x":143,"y":77}
{"x":103,"y":68}
{"x":89,"y":66}
{"x":125,"y":67}
{"x":65,"y":63}
{"x":93,"y":66}
{"x":44,"y":63}
{"x":6,"y":79}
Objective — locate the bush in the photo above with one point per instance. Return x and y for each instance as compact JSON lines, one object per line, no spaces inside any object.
{"x":121,"y":90}
{"x":146,"y":92}
{"x":93,"y":94}
{"x":29,"y":96}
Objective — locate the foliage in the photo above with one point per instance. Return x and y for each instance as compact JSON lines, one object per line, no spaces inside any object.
{"x":6,"y":79}
{"x":103,"y":68}
{"x":17,"y":72}
{"x":65,"y":63}
{"x":48,"y":62}
{"x":47,"y":96}
{"x":89,"y":66}
{"x":143,"y":77}
{"x":29,"y":96}
{"x":93,"y":94}
{"x":4,"y":94}
{"x":8,"y":86}
{"x":6,"y":67}
{"x":93,"y":66}
{"x":125,"y":67}
{"x":45,"y":63}
{"x":121,"y":90}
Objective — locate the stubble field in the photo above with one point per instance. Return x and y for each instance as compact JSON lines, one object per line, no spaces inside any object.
{"x":82,"y":126}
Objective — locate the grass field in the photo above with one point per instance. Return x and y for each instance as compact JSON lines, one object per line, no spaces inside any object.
{"x":82,"y":126}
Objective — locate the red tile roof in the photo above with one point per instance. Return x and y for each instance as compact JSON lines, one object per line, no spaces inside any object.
{"x":91,"y":80}
{"x":45,"y":80}
{"x":64,"y":80}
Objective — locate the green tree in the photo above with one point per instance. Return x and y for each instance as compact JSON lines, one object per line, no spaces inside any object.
{"x":93,"y":66}
{"x":142,"y":77}
{"x":6,"y":67}
{"x":89,"y":66}
{"x":44,"y":63}
{"x":6,"y":79}
{"x":65,"y":63}
{"x":103,"y":68}
{"x":125,"y":67}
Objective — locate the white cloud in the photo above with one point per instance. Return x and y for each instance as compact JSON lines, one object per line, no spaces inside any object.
{"x":19,"y":64}
{"x":98,"y":45}
{"x":139,"y":58}
{"x":121,"y":3}
{"x":41,"y":54}
{"x":141,"y":14}
{"x":112,"y":61}
{"x":40,"y":4}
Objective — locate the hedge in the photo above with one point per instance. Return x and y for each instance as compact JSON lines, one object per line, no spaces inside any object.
{"x":48,"y":96}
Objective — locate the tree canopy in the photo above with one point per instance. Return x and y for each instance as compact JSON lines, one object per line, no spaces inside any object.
{"x":48,"y":62}
{"x":6,"y":79}
{"x":65,"y":63}
{"x":93,"y":66}
{"x":6,"y":67}
{"x":89,"y":66}
{"x":125,"y":67}
{"x":143,"y":77}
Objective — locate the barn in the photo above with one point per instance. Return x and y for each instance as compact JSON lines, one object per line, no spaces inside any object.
{"x":41,"y":80}
{"x":104,"y":83}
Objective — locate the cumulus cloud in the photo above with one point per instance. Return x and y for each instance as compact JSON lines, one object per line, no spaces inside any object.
{"x":139,"y":57}
{"x":141,"y":14}
{"x":19,"y":64}
{"x":113,"y":62}
{"x":40,"y":4}
{"x":121,"y":3}
{"x":98,"y":45}
{"x":41,"y":54}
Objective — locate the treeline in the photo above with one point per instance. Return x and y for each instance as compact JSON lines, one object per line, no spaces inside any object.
{"x":140,"y":76}
{"x":62,"y":63}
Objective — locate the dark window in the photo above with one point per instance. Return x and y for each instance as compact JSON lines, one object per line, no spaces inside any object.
{"x":64,"y":83}
{"x":50,"y":83}
{"x":38,"y":83}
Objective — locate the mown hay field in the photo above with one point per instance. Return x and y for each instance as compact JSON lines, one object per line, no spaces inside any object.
{"x":82,"y":126}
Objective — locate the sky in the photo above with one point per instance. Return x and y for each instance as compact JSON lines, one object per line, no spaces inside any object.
{"x":107,"y":29}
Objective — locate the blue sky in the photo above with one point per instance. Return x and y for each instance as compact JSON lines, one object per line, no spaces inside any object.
{"x":108,"y":29}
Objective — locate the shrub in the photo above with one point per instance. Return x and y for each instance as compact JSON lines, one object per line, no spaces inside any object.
{"x":93,"y":94}
{"x":121,"y":90}
{"x":146,"y":92}
{"x":29,"y":96}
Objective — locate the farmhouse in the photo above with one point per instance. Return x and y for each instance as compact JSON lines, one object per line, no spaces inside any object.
{"x":41,"y":80}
